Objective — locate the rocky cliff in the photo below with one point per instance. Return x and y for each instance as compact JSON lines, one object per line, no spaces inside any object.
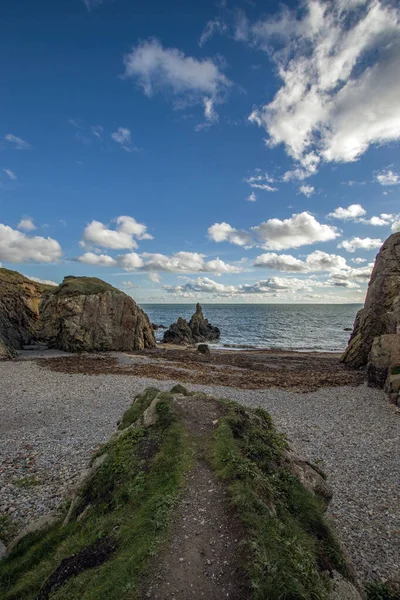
{"x":381,"y":312}
{"x":197,"y":330}
{"x":19,"y":311}
{"x":88,"y":314}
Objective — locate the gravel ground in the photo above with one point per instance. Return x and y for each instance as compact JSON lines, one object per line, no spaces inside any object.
{"x":51,"y":422}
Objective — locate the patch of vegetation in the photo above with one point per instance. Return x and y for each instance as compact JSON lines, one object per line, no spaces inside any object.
{"x":377,"y":590}
{"x":8,"y":529}
{"x":27,"y":482}
{"x":13,"y":283}
{"x":290,"y":546}
{"x":78,"y":286}
{"x":137,"y":408}
{"x":126,"y":507}
{"x":395,"y":370}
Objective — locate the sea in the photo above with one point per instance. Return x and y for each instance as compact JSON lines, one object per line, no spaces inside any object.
{"x":300,"y":327}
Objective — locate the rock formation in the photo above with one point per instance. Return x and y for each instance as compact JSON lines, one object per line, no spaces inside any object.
{"x":197,"y":330}
{"x":19,"y":311}
{"x":375,"y":340}
{"x":88,"y":314}
{"x":381,"y":312}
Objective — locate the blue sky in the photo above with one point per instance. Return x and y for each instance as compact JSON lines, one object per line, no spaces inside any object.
{"x":198,"y":150}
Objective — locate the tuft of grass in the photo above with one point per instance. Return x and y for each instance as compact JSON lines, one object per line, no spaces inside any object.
{"x":395,"y":370}
{"x":139,"y":405}
{"x":27,"y":482}
{"x":77,"y":286}
{"x":290,"y":547}
{"x":378,"y":590}
{"x":127,"y":506}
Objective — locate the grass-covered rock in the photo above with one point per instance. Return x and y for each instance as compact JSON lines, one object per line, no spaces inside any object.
{"x":107,"y":543}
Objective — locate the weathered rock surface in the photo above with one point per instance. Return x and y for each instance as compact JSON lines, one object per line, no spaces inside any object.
{"x":197,"y":330}
{"x":381,"y":312}
{"x":19,"y":311}
{"x":88,"y":314}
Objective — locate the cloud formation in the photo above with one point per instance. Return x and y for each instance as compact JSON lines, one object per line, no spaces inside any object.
{"x":339,"y":64}
{"x":16,"y":142}
{"x":298,"y":230}
{"x":123,"y":137}
{"x":388,"y":177}
{"x":186,"y":80}
{"x":26,"y":224}
{"x":352,"y":212}
{"x":125,"y":234}
{"x":357,"y":243}
{"x":17,"y":247}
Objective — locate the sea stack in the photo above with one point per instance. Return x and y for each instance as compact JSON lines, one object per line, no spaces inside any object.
{"x":375,"y":340}
{"x":197,"y":330}
{"x":88,"y":314}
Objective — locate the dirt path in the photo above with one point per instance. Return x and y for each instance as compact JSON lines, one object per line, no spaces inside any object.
{"x":202,"y":558}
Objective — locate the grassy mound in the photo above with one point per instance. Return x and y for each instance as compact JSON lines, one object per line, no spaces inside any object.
{"x":13,"y":283}
{"x":78,"y":286}
{"x":120,"y":520}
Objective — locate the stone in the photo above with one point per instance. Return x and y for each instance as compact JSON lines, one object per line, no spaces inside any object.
{"x":86,"y":314}
{"x":381,"y":312}
{"x":19,"y":311}
{"x":384,"y":353}
{"x":342,"y":589}
{"x":203,"y":349}
{"x":307,"y":474}
{"x":150,"y":416}
{"x":197,"y":330}
{"x":43,"y":522}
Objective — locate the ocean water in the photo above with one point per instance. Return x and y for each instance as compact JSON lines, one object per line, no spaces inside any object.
{"x":313,"y":327}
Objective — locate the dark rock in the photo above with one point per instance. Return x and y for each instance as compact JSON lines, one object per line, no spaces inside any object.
{"x":155,"y":326}
{"x":203,"y":349}
{"x":20,"y":298}
{"x":87,"y":314}
{"x":347,"y":329}
{"x":381,"y":312}
{"x":197,"y":330}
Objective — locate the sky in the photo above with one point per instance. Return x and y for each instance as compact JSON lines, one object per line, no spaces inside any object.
{"x":232,"y":151}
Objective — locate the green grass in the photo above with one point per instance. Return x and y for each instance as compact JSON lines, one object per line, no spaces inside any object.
{"x":131,"y":500}
{"x":377,"y":590}
{"x":77,"y":286}
{"x":395,"y":370}
{"x":290,"y":544}
{"x":13,"y":283}
{"x":27,"y":482}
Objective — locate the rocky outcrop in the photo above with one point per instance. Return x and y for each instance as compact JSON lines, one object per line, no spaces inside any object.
{"x":19,"y":311}
{"x":381,"y":313}
{"x":88,"y":314}
{"x":197,"y":330}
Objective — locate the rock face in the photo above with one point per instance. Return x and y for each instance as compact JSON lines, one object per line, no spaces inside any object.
{"x":88,"y":314}
{"x":381,"y":313}
{"x":19,"y":311}
{"x":197,"y":330}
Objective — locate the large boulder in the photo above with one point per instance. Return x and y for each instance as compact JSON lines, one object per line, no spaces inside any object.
{"x":197,"y":330}
{"x":88,"y":314}
{"x":381,"y":312}
{"x":20,"y":298}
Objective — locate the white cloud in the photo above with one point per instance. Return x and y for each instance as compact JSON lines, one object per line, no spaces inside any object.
{"x":123,"y":137}
{"x":388,"y":177}
{"x":43,"y":281}
{"x":316,"y":261}
{"x":92,"y":4}
{"x":127,"y":231}
{"x":211,"y":28}
{"x":10,"y":174}
{"x":299,"y":230}
{"x":307,"y":190}
{"x":352,"y":212}
{"x":261,"y":182}
{"x":251,"y":197}
{"x":351,"y":277}
{"x":396,"y":226}
{"x":187,"y":80}
{"x":357,"y":243}
{"x":375,"y":221}
{"x":359,"y":261}
{"x":16,"y":142}
{"x":339,"y":66}
{"x":180,"y":262}
{"x":17,"y":247}
{"x":101,"y":260}
{"x":97,"y":130}
{"x":26,"y":224}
